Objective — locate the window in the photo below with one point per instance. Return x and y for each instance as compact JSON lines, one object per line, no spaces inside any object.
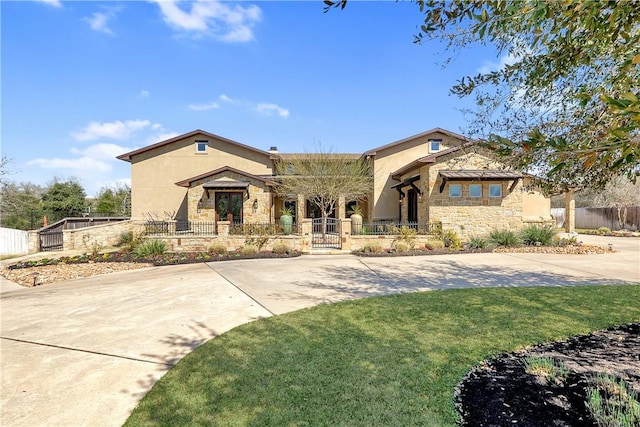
{"x":475,"y":190}
{"x":434,"y":145}
{"x":201,"y":146}
{"x":455,"y":190}
{"x":495,"y":190}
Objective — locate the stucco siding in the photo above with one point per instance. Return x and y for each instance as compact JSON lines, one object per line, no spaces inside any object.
{"x":155,"y":172}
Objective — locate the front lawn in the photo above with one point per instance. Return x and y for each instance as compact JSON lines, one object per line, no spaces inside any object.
{"x":391,"y":360}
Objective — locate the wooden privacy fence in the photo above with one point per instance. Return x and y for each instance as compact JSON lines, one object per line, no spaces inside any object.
{"x":612,"y":218}
{"x":13,"y":242}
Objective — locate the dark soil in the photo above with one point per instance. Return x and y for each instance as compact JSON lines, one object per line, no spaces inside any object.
{"x":500,"y":393}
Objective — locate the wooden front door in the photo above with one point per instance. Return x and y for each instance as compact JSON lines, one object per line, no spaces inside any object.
{"x":229,"y":207}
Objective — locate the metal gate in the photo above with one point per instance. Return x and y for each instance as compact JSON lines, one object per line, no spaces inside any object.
{"x":51,"y":240}
{"x":326,"y":233}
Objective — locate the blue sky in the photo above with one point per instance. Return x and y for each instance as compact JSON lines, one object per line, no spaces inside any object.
{"x":83,"y":82}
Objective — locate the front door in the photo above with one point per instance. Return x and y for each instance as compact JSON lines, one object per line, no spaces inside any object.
{"x":229,"y":207}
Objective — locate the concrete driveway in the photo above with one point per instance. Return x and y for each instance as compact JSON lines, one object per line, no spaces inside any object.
{"x":84,"y":352}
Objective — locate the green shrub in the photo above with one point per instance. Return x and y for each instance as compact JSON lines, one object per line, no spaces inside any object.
{"x":150,"y":248}
{"x":128,"y":240}
{"x":249,"y":250}
{"x":407,"y":235}
{"x":281,"y":248}
{"x":604,"y":230}
{"x":402,"y":246}
{"x":537,"y":235}
{"x":476,"y":242}
{"x":375,"y":248}
{"x":506,"y":238}
{"x":434,"y":244}
{"x":257,"y":241}
{"x":218,"y":248}
{"x":451,"y":239}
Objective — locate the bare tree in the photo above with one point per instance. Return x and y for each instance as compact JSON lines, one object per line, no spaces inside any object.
{"x":323,"y":177}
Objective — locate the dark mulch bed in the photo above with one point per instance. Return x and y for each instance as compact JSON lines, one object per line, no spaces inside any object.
{"x":499,"y":392}
{"x":418,"y":252}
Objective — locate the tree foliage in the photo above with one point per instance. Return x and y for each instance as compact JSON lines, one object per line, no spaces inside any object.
{"x":324,"y":177}
{"x":21,"y":205}
{"x":114,"y":201}
{"x":567,"y":101}
{"x":64,"y":199}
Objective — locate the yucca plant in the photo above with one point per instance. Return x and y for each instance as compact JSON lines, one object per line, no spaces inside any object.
{"x":537,"y":235}
{"x":150,"y":248}
{"x":506,"y":238}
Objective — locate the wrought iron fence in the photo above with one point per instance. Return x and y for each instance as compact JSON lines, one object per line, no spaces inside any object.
{"x":391,"y":228}
{"x":185,"y":228}
{"x":262,"y":229}
{"x":199,"y":228}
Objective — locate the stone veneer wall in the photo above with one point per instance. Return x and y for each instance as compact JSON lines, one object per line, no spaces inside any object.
{"x":468,"y":216}
{"x":101,"y":235}
{"x":257,"y":192}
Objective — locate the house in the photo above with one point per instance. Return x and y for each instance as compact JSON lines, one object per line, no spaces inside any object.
{"x":435,"y":176}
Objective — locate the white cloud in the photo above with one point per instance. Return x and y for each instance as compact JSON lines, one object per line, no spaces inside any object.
{"x":144,"y":94}
{"x":54,"y":3}
{"x":225,"y":98}
{"x":504,"y":60}
{"x":269,"y":109}
{"x":101,"y":151}
{"x":99,"y":21}
{"x":114,"y":130}
{"x":204,"y":107}
{"x":211,"y":18}
{"x":81,"y":164}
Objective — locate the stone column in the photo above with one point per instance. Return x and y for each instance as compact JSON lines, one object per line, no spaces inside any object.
{"x":345,"y":227}
{"x":223,"y":228}
{"x":569,"y":211}
{"x":306,"y":230}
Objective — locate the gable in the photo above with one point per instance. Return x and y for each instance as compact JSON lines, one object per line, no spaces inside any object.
{"x":416,"y":140}
{"x":221,"y":175}
{"x":189,"y":139}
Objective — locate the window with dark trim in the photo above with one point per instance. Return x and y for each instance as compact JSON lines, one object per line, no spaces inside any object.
{"x":495,"y":190}
{"x":434,"y":145}
{"x":201,"y":146}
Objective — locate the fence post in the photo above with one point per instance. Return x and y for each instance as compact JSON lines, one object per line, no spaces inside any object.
{"x":306,"y":233}
{"x":345,"y":226}
{"x":223,"y":228}
{"x":171,"y":227}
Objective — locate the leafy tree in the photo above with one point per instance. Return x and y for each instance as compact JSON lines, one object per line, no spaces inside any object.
{"x":21,"y":205}
{"x":64,"y":199}
{"x":112,"y":201}
{"x":566,"y":103}
{"x":324,"y":177}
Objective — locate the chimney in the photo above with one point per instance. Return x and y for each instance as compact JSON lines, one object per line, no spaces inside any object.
{"x":273,"y":149}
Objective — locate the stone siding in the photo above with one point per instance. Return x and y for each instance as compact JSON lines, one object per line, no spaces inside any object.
{"x":99,"y":236}
{"x":256,"y":206}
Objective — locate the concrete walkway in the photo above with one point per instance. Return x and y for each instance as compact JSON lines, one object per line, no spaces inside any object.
{"x":84,"y":352}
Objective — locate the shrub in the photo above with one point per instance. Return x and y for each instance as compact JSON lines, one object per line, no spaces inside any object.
{"x":249,"y":250}
{"x":506,"y":238}
{"x":612,"y":402}
{"x":407,"y":235}
{"x":281,"y":248}
{"x":478,"y":243}
{"x":451,"y":239}
{"x":604,"y":230}
{"x":257,"y":241}
{"x":402,"y":246}
{"x":375,"y":248}
{"x":218,"y":248}
{"x":546,"y":368}
{"x":150,"y":248}
{"x":537,"y":235}
{"x":128,"y":240}
{"x":434,"y":244}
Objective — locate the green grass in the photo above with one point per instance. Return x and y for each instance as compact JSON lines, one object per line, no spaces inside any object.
{"x":391,"y":360}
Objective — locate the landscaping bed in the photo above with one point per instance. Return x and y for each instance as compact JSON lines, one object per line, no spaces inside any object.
{"x":568,"y":249}
{"x":51,"y":270}
{"x":501,"y":391}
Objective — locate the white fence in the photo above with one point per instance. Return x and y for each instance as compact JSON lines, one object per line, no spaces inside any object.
{"x":14,"y":242}
{"x":612,"y":218}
